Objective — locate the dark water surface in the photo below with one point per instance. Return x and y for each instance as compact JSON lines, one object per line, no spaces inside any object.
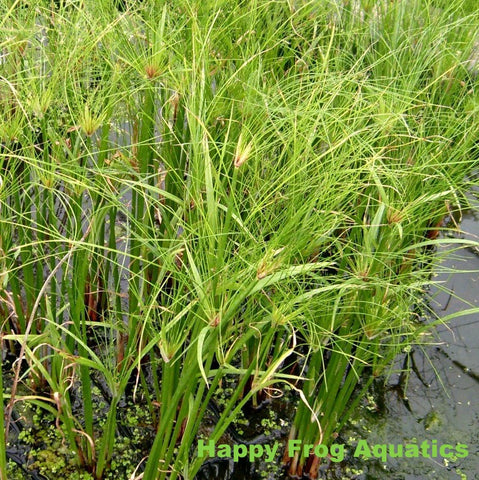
{"x":438,"y":403}
{"x":442,"y":393}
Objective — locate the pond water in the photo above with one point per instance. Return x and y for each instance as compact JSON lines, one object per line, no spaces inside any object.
{"x":442,"y":393}
{"x":438,"y":403}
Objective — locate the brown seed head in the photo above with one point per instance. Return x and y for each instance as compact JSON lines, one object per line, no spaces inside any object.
{"x":152,"y":71}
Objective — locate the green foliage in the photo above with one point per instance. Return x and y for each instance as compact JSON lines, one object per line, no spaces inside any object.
{"x":197,"y":195}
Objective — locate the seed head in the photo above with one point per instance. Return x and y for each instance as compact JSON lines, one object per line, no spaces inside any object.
{"x":152,"y":71}
{"x":242,"y":152}
{"x":89,"y":122}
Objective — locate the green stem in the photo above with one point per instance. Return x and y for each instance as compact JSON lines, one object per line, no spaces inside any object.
{"x":3,"y":446}
{"x":107,"y":441}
